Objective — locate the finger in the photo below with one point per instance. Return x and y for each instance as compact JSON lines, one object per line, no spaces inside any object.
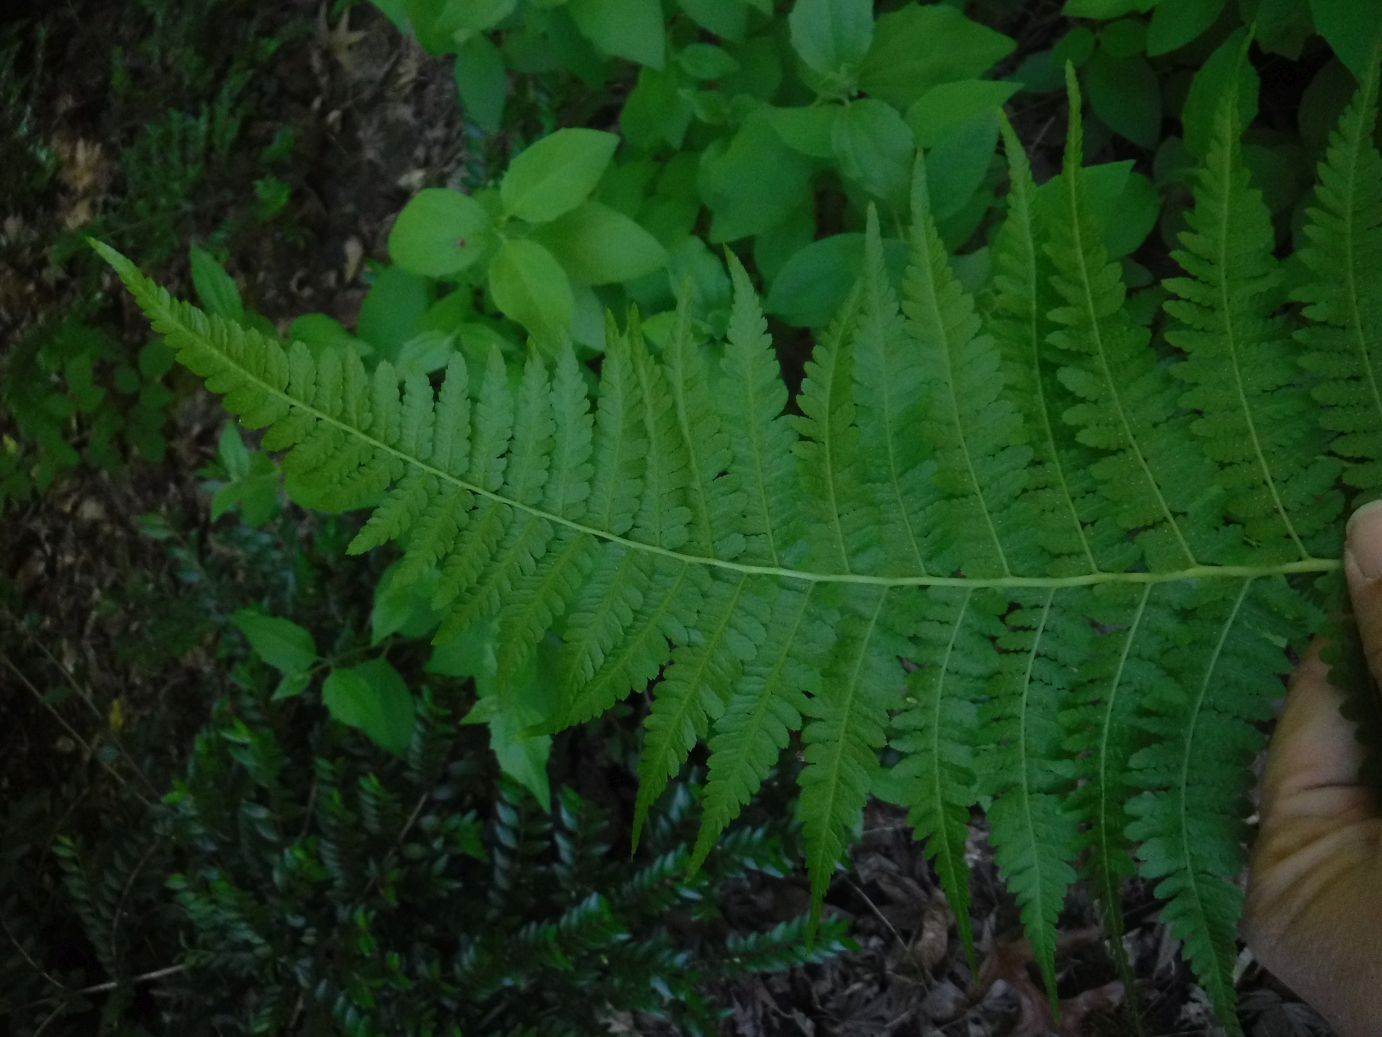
{"x":1363,"y":567}
{"x":1315,"y":757}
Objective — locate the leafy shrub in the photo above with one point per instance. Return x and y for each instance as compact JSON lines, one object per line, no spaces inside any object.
{"x":737,"y":124}
{"x":1089,"y":538}
{"x":297,"y":879}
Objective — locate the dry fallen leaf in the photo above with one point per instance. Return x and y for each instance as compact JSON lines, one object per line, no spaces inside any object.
{"x":340,"y":39}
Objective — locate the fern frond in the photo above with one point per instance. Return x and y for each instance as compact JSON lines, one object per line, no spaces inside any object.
{"x":974,"y":431}
{"x":638,"y":648}
{"x":1254,"y":415}
{"x":887,"y":396}
{"x":765,"y":707}
{"x":620,"y":447}
{"x":848,"y":716}
{"x":1102,"y":732}
{"x":1205,"y":729}
{"x":937,"y":772}
{"x":840,"y":530}
{"x":1004,"y":493}
{"x":753,"y":399}
{"x":664,"y":517}
{"x":1125,"y":403}
{"x":568,"y":485}
{"x":712,"y":492}
{"x":1343,"y":347}
{"x":1021,"y":297}
{"x":1035,"y":834}
{"x":539,"y":597}
{"x":698,"y":683}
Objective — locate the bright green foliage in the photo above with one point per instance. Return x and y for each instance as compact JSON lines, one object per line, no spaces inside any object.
{"x":1006,"y":535}
{"x":1254,"y":412}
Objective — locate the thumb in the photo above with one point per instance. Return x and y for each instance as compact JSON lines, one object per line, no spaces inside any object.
{"x":1363,"y":567}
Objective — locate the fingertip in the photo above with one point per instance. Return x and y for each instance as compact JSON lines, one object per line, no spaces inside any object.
{"x":1363,"y":542}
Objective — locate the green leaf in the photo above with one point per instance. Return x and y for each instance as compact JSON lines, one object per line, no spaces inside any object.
{"x":1351,"y":27}
{"x":320,"y":330}
{"x":831,"y":36}
{"x":919,"y":47}
{"x":725,"y":18}
{"x":706,"y":61}
{"x":752,"y":182}
{"x":958,"y":161}
{"x":556,"y":174}
{"x":1282,"y":27}
{"x":529,"y":286}
{"x":630,"y":29}
{"x":812,"y":285}
{"x":875,"y":149}
{"x":424,"y":353}
{"x":231,"y":450}
{"x":1177,"y":22}
{"x":482,"y":83}
{"x":215,"y":288}
{"x":252,"y":480}
{"x":281,"y":643}
{"x":393,"y":309}
{"x":1105,"y":9}
{"x":290,"y":686}
{"x":598,"y":245}
{"x":1124,"y":203}
{"x":402,"y":604}
{"x":1126,"y":95}
{"x":374,"y":699}
{"x":524,"y":702}
{"x":478,"y":15}
{"x":941,"y":109}
{"x":1126,"y":38}
{"x":439,"y":232}
{"x":1212,"y":83}
{"x":657,"y":110}
{"x":809,"y":130}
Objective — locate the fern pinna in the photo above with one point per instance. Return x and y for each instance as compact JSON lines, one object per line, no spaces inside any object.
{"x":1044,"y":554}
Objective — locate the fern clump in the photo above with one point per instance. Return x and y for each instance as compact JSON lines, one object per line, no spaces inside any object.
{"x":1046,"y":554}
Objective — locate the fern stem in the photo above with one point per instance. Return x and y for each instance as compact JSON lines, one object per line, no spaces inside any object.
{"x":170,"y":321}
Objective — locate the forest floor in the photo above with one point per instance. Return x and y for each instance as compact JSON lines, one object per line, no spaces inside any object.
{"x":88,"y":591}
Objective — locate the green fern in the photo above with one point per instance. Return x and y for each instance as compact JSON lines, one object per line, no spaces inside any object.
{"x":1050,"y":558}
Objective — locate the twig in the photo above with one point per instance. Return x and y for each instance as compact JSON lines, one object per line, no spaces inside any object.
{"x":124,"y":895}
{"x":25,"y":954}
{"x":112,"y":984}
{"x":72,"y":731}
{"x":85,"y":695}
{"x":881,"y":916}
{"x":143,"y":977}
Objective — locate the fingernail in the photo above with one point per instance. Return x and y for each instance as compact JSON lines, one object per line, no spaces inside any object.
{"x":1363,"y":540}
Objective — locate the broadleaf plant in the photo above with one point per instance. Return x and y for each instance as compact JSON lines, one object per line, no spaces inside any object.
{"x":1045,"y":556}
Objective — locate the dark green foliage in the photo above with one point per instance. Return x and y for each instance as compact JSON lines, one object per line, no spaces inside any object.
{"x":295,"y":882}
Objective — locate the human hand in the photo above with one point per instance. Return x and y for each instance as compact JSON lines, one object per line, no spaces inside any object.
{"x":1314,"y":909}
